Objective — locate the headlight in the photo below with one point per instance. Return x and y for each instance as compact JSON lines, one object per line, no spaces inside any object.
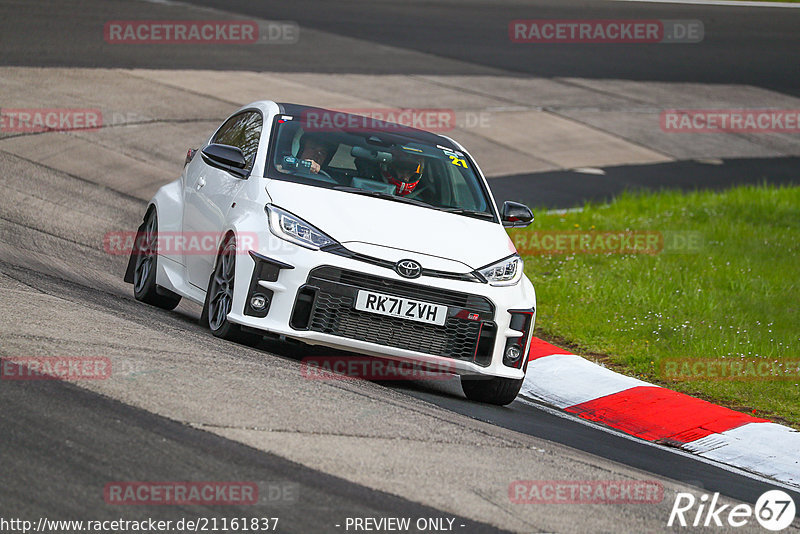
{"x":505,"y":272}
{"x":292,"y":228}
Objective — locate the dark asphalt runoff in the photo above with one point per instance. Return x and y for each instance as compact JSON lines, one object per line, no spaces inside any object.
{"x":522,"y":417}
{"x":62,"y":444}
{"x":571,"y":188}
{"x":741,"y":45}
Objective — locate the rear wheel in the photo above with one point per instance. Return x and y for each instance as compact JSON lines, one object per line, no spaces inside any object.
{"x":495,"y":390}
{"x":219,"y":298}
{"x":145,"y":250}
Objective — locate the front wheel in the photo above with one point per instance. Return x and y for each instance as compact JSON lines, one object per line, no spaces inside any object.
{"x":495,"y":390}
{"x":145,"y":258}
{"x":219,"y":298}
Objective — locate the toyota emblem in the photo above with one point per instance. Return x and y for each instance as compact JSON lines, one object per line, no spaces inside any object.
{"x":408,"y":268}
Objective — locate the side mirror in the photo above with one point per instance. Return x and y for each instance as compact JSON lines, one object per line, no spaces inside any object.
{"x":226,"y":157}
{"x":516,"y":215}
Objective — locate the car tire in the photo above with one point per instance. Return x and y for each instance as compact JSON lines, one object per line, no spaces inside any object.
{"x":219,"y":298}
{"x":144,"y":256}
{"x":495,"y":390}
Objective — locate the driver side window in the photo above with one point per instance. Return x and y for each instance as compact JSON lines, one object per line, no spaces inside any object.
{"x":242,"y":131}
{"x":464,"y":193}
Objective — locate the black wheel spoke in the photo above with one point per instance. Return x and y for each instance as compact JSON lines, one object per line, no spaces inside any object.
{"x":142,"y":272}
{"x":144,"y":256}
{"x":221,"y":287}
{"x":146,"y":245}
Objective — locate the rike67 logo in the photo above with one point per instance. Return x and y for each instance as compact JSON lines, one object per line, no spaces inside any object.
{"x":774,"y":510}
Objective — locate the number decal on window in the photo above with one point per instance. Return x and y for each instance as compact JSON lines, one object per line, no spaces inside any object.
{"x":458,"y":162}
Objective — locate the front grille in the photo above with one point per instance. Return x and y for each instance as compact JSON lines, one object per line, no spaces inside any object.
{"x":333,"y":313}
{"x":435,"y":295}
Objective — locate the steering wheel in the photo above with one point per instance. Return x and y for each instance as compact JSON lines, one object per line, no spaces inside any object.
{"x":320,"y":175}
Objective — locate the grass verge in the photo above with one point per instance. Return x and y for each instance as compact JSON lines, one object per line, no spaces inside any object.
{"x":720,"y":281}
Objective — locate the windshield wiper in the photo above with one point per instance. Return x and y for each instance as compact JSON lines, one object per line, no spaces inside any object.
{"x":381,"y":194}
{"x":469,"y":213}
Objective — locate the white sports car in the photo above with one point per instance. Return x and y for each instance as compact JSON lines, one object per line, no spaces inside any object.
{"x":350,"y":233}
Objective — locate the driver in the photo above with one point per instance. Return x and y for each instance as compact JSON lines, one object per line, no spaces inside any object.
{"x":317,"y":150}
{"x":404,"y":172}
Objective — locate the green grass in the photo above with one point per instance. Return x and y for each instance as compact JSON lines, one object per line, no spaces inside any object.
{"x":736,"y":296}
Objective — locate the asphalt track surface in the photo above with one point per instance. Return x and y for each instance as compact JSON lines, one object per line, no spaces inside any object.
{"x":742,"y":45}
{"x":571,"y":188}
{"x":61,"y":442}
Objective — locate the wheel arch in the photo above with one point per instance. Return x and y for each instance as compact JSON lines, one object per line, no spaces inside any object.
{"x":168,"y":202}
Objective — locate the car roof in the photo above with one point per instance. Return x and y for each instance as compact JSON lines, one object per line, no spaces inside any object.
{"x":403,"y":134}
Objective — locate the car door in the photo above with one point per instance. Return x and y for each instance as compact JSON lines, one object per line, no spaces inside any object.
{"x":209,"y":193}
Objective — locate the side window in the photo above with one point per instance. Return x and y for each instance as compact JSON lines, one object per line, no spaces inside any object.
{"x":342,"y":159}
{"x":242,"y":131}
{"x":463,"y":192}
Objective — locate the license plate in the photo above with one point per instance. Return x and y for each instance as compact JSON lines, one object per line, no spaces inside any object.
{"x":402,"y":308}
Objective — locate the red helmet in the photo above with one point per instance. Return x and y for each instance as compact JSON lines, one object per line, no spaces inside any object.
{"x":404,"y":172}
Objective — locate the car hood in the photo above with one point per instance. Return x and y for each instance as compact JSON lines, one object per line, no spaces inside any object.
{"x":388,"y":229}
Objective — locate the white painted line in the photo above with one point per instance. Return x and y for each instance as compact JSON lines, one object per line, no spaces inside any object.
{"x":565,"y":380}
{"x":767,"y":448}
{"x":715,"y":3}
{"x":589,"y":170}
{"x":513,"y":108}
{"x":709,"y":461}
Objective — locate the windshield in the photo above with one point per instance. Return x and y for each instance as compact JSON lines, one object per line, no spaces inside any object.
{"x":380,"y":163}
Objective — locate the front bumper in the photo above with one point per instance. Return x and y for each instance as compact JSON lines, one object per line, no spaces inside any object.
{"x":311,"y":295}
